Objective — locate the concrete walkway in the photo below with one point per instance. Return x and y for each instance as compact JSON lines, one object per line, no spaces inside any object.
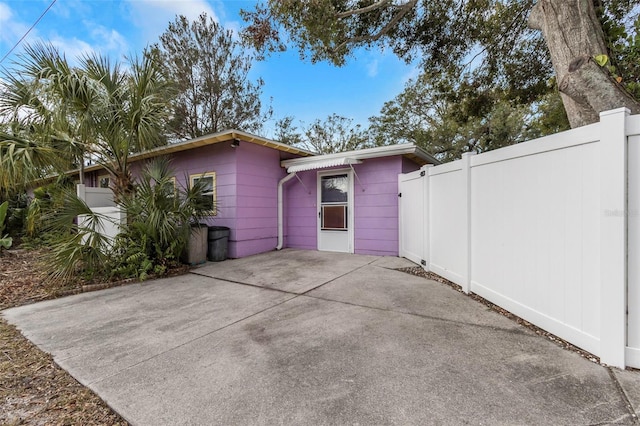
{"x":304,"y":337}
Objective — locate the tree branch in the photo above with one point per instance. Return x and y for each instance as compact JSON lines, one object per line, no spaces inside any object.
{"x":403,"y":10}
{"x":536,"y":17}
{"x":362,"y":10}
{"x":589,"y":84}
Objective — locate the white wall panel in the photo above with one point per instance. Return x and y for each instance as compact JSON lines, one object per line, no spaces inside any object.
{"x":95,"y":197}
{"x":633,"y":290}
{"x":531,"y":218}
{"x":447,"y":222}
{"x":110,"y":221}
{"x":544,"y":229}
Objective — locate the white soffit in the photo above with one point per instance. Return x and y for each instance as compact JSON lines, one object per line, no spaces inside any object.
{"x":322,"y":163}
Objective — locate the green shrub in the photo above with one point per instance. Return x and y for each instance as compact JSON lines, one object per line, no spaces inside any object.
{"x":16,"y":213}
{"x":159,"y":218}
{"x":76,"y":249}
{"x":5,"y":241}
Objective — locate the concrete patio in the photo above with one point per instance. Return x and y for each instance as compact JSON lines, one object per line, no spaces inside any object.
{"x":306,"y":337}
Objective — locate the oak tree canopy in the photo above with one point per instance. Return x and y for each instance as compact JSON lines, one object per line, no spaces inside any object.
{"x":590,"y":46}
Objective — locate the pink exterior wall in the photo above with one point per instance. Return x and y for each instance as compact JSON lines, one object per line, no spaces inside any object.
{"x":247,"y":184}
{"x":246,"y":190}
{"x":375,"y":207}
{"x":221,"y":159}
{"x":300,"y":212}
{"x":258,"y":173}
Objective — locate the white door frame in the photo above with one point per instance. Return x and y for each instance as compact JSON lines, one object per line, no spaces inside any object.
{"x":349,"y":246}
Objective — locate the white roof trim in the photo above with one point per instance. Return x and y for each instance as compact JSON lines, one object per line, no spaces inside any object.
{"x":322,"y":163}
{"x":361,"y":154}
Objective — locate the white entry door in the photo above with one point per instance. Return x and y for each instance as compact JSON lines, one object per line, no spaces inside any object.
{"x":335,"y":211}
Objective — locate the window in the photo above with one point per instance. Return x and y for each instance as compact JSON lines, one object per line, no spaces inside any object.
{"x":209,"y":181}
{"x":104,"y":181}
{"x":173,"y":183}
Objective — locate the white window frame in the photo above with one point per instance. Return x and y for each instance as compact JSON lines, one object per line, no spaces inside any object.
{"x":107,"y":177}
{"x":174,"y":181}
{"x":194,"y":177}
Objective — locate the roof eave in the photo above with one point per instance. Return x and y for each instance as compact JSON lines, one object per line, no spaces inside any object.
{"x":409,"y":150}
{"x":227,"y":135}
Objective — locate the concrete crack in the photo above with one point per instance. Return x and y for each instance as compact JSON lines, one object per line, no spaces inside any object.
{"x":624,"y":396}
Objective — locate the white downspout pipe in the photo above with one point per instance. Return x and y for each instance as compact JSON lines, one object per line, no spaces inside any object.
{"x":281,"y":209}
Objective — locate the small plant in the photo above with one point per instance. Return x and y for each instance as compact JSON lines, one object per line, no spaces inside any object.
{"x":78,"y":248}
{"x":6,"y":241}
{"x":15,"y":214}
{"x":159,"y":218}
{"x":132,"y":258}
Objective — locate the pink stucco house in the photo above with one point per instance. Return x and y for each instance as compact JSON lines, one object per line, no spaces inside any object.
{"x":273,"y":195}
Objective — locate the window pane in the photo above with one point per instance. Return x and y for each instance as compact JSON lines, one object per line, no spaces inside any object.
{"x":208,"y":192}
{"x":207,"y":202}
{"x":334,"y":217}
{"x":207,"y":181}
{"x":334,"y":189}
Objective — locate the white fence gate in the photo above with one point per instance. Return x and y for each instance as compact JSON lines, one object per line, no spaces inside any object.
{"x":412,"y":211}
{"x":543,"y":229}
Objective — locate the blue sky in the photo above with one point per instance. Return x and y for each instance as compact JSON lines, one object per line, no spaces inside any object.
{"x":124,"y":27}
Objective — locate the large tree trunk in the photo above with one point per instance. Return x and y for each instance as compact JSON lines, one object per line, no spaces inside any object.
{"x":574,"y":36}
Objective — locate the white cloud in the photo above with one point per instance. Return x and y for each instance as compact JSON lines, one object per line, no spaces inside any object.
{"x":99,"y":39}
{"x":71,"y":9}
{"x":153,"y":16}
{"x":12,"y":30}
{"x":85,"y":37}
{"x":372,"y":68}
{"x":72,"y":48}
{"x":225,"y":20}
{"x":107,"y":40}
{"x":235,"y":27}
{"x":191,"y":9}
{"x":5,"y":12}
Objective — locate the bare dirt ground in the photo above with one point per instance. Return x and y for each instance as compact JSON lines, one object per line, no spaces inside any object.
{"x":33,"y":389}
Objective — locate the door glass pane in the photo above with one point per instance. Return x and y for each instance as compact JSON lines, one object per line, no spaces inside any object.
{"x":334,"y":217}
{"x":334,"y":189}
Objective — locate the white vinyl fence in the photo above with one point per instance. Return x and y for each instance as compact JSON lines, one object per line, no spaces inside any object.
{"x":95,"y":197}
{"x":101,"y":202}
{"x":548,"y":229}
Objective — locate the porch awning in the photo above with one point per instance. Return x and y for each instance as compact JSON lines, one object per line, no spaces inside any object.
{"x":321,"y":163}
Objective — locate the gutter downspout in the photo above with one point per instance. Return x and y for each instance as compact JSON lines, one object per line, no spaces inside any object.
{"x":281,"y":209}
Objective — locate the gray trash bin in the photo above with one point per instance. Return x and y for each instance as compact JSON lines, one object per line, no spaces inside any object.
{"x":218,"y":243}
{"x":196,"y":250}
